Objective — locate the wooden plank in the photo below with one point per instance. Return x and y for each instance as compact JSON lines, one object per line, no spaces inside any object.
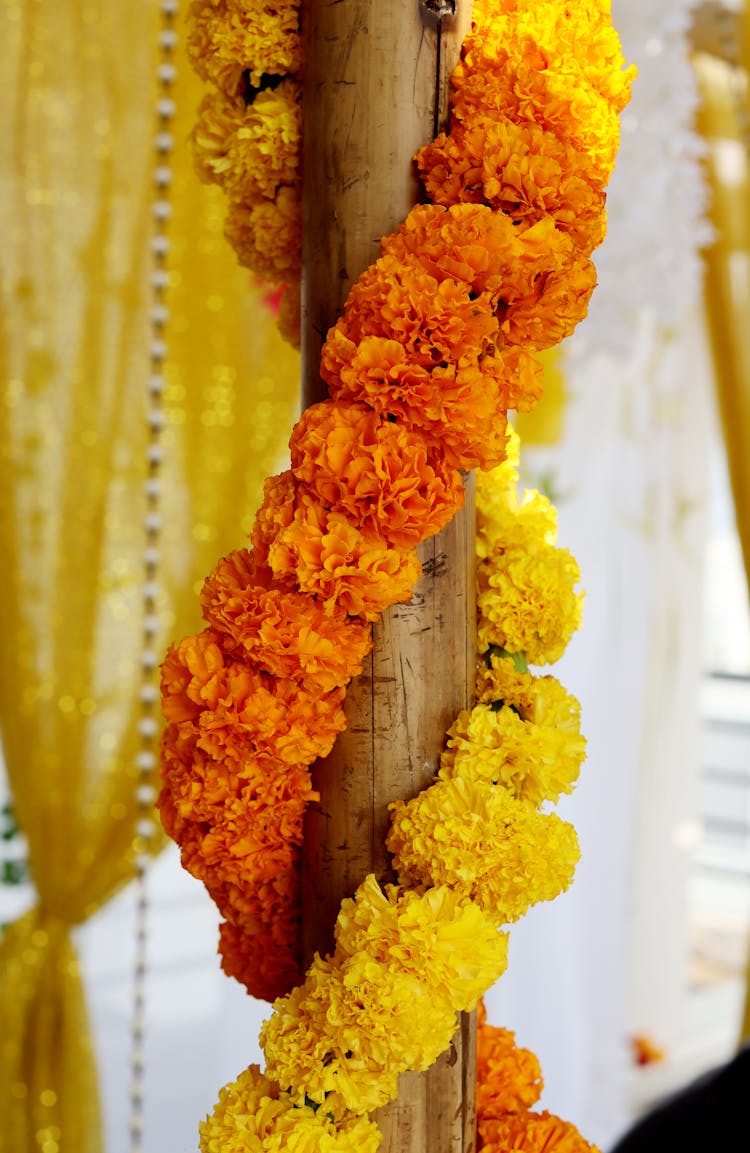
{"x":375,"y":90}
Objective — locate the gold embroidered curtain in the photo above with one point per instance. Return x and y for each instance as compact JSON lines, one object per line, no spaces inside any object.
{"x":724,"y":120}
{"x":77,"y":111}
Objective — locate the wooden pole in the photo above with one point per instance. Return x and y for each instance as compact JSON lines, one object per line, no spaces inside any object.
{"x":375,"y":90}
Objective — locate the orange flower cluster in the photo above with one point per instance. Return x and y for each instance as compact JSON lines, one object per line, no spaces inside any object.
{"x":534,"y":117}
{"x":256,"y":697}
{"x":509,"y":1083}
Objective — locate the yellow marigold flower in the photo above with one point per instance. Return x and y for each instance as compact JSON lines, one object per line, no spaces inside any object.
{"x":531,"y":1133}
{"x":541,"y":700}
{"x":352,"y":1027}
{"x":219,"y":116}
{"x":497,"y":493}
{"x":249,"y":149}
{"x":386,"y":1001}
{"x":289,"y":315}
{"x":267,"y":236}
{"x":283,"y":631}
{"x":439,"y":935}
{"x":253,"y":1115}
{"x":509,"y":1079}
{"x":229,"y":37}
{"x":479,"y":840}
{"x":527,"y":601}
{"x":504,"y":522}
{"x":534,"y":762}
{"x":379,"y":473}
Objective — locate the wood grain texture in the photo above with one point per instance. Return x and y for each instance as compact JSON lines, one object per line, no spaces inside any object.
{"x":375,"y":87}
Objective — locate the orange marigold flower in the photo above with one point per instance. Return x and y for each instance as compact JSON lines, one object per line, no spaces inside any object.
{"x":191,"y":677}
{"x":521,"y":170}
{"x":645,"y":1050}
{"x":509,"y":1079}
{"x":285,"y":632}
{"x":458,"y":407}
{"x":523,"y":377}
{"x":341,"y":564}
{"x":380,"y":473}
{"x":251,"y":841}
{"x":470,"y":243}
{"x":267,"y":966}
{"x":228,"y":698}
{"x":275,"y":513}
{"x":558,"y":302}
{"x":205,"y":789}
{"x":197,"y":786}
{"x":466,"y":242}
{"x":434,"y":319}
{"x":531,"y":1133}
{"x":259,"y":943}
{"x":527,"y":273}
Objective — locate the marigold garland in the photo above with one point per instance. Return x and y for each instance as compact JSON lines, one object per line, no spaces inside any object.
{"x":435,"y":345}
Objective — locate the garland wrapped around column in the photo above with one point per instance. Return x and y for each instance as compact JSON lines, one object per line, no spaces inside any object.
{"x":435,"y":345}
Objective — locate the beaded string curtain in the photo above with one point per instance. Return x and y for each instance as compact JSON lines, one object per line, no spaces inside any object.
{"x":77,"y":121}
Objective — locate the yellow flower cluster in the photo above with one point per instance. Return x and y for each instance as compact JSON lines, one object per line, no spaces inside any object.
{"x":247,"y":135}
{"x":405,"y":963}
{"x":526,"y":596}
{"x":477,"y":838}
{"x":253,"y":1115}
{"x":534,"y":760}
{"x":479,"y":828}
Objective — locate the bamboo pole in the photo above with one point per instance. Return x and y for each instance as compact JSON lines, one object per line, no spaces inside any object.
{"x":375,"y":90}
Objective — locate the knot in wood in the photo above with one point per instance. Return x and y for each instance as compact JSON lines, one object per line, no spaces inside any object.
{"x":440,"y":9}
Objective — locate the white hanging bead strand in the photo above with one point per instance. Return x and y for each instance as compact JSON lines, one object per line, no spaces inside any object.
{"x":148,"y":697}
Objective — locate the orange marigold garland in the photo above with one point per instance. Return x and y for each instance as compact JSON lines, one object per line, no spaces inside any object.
{"x":435,"y":345}
{"x":509,"y":1083}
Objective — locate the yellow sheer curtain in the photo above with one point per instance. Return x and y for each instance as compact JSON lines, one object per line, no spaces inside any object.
{"x":725,"y":124}
{"x":75,"y":173}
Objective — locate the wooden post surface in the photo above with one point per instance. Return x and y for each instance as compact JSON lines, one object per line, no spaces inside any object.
{"x":375,"y":90}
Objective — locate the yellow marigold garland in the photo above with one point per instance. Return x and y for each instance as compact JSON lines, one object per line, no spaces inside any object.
{"x":435,"y":345}
{"x":247,"y":137}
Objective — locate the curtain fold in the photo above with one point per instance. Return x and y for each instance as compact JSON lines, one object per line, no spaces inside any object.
{"x":723,"y":120}
{"x":76,"y":196}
